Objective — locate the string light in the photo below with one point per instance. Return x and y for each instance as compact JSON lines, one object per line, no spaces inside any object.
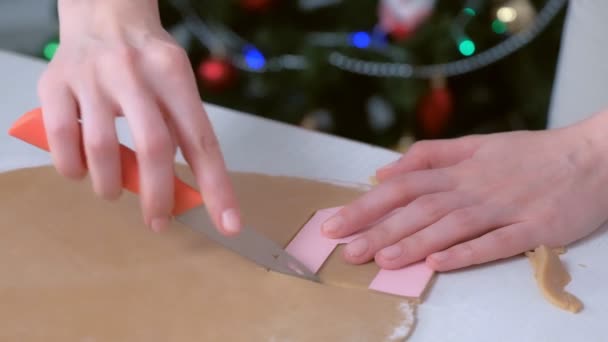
{"x":466,"y":47}
{"x":506,"y":14}
{"x":470,"y":11}
{"x":499,"y":27}
{"x":50,"y":49}
{"x":362,"y":40}
{"x":254,"y":60}
{"x":463,"y":66}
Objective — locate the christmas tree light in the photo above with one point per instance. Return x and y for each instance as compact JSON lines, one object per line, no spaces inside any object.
{"x":254,"y":58}
{"x":470,"y":11}
{"x":466,"y":47}
{"x":50,"y":49}
{"x":506,"y":14}
{"x":361,"y":40}
{"x":499,"y":27}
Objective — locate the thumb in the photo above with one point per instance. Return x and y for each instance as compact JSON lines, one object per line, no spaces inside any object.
{"x":430,"y":154}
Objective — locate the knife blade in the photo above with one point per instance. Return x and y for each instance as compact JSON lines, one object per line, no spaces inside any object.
{"x":189,"y":208}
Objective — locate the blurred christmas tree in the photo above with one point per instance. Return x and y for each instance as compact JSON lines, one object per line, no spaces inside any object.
{"x":376,"y":70}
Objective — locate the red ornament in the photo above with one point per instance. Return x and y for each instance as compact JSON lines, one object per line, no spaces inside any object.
{"x":216,"y":74}
{"x":256,"y":5}
{"x":435,"y":110}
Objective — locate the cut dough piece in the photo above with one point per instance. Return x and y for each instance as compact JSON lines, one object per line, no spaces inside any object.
{"x":552,"y":278}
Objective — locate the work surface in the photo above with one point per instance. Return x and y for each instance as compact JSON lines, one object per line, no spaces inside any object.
{"x":498,"y":302}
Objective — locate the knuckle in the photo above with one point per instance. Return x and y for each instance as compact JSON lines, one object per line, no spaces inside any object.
{"x":48,"y":84}
{"x":419,"y":147}
{"x":550,"y":217}
{"x":207,"y":144}
{"x":414,"y":243}
{"x":350,"y":214}
{"x":101,"y":143}
{"x":170,"y":59}
{"x":502,"y":237}
{"x":156,"y":147}
{"x":400,"y":186}
{"x":125,"y":55}
{"x":62,"y":129}
{"x":120,"y":62}
{"x":429,"y":205}
{"x":467,"y":253}
{"x":379,"y":237}
{"x":462,"y":218}
{"x":394,"y":193}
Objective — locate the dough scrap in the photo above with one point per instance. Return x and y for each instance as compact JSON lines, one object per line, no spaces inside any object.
{"x":552,"y":277}
{"x":373,"y":180}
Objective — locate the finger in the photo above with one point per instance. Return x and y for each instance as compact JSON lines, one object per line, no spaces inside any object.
{"x":170,"y":125}
{"x":154,"y":149}
{"x":419,"y":214}
{"x":459,"y":225}
{"x":200,"y":146}
{"x":202,"y":152}
{"x":384,"y":198}
{"x":429,"y":154}
{"x":172,"y":133}
{"x":498,"y":244}
{"x":100,"y":142}
{"x":60,"y":116}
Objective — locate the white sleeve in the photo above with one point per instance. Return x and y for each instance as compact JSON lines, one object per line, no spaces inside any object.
{"x":581,"y":83}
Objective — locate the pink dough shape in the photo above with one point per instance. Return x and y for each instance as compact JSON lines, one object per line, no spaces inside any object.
{"x":312,"y":248}
{"x":410,"y":281}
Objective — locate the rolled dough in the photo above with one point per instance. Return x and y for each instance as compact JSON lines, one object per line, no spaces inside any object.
{"x":76,"y":268}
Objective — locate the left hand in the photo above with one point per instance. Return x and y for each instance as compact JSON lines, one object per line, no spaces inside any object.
{"x":480,"y":198}
{"x":116,"y":58}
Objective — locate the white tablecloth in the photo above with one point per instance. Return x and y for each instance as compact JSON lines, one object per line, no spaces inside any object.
{"x":498,"y":302}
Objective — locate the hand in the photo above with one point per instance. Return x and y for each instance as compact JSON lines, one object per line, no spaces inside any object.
{"x":481,"y":198}
{"x":115,"y":58}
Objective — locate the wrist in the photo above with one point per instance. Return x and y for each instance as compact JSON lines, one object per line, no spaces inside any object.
{"x":101,"y":17}
{"x":590,"y":139}
{"x":595,"y":130}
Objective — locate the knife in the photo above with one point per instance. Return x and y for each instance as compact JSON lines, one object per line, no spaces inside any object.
{"x":189,"y":208}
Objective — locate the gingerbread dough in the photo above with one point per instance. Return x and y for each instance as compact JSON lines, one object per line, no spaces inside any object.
{"x":76,"y":268}
{"x":552,"y":278}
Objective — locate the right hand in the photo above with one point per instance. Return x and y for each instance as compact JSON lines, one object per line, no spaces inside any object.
{"x":115,"y":58}
{"x":481,"y":198}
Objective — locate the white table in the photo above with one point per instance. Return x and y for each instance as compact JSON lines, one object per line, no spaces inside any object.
{"x":498,"y":302}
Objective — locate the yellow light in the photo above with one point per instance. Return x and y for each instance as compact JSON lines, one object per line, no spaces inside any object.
{"x":506,"y":14}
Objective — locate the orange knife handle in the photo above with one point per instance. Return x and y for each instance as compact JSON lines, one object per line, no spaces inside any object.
{"x":30,"y":128}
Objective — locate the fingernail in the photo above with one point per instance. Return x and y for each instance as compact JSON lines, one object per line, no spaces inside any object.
{"x":357,"y":248}
{"x":391,"y":252}
{"x":159,"y":224}
{"x":333,"y":225}
{"x":231,"y":221}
